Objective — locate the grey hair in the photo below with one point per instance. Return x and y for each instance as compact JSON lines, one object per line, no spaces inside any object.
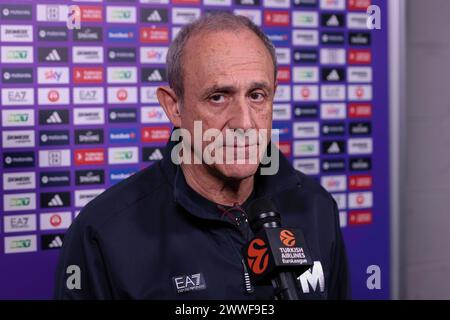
{"x":211,"y":22}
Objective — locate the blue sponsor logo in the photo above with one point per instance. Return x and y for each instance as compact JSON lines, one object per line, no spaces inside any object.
{"x":278,"y":37}
{"x":121,"y":34}
{"x":117,"y":175}
{"x":118,"y":135}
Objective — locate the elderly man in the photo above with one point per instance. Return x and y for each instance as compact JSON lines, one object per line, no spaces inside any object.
{"x":176,"y":229}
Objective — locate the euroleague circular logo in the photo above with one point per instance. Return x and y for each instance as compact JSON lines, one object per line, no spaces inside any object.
{"x":287,"y":238}
{"x":257,"y":256}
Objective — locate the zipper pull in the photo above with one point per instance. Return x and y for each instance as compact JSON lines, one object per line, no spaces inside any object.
{"x":247,"y":283}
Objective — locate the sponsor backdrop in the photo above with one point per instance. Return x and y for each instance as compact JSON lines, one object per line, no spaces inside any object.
{"x":79,"y":114}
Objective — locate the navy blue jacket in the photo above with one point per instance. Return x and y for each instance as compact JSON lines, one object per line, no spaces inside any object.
{"x":153,"y":237}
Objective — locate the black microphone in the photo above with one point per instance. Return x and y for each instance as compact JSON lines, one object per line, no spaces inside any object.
{"x":275,"y":254}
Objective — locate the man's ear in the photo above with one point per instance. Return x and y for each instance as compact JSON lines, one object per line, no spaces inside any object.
{"x":170,"y":103}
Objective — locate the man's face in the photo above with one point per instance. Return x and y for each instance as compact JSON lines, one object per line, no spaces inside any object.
{"x":228,"y":84}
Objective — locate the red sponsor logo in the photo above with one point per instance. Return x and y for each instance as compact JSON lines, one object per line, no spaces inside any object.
{"x":89,"y":156}
{"x":53,"y":96}
{"x":360,"y":218}
{"x":359,"y":110}
{"x":285,"y":148}
{"x":154,"y":35}
{"x":155,"y":134}
{"x":356,"y":56}
{"x":284,"y":74}
{"x":358,"y":5}
{"x":122,"y":95}
{"x":55,"y":220}
{"x":91,"y":14}
{"x":277,"y":18}
{"x":258,"y":256}
{"x":360,"y":182}
{"x":87,"y":75}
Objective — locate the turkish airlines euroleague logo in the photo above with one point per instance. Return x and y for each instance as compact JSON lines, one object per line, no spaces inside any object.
{"x":257,"y":256}
{"x":287,"y":238}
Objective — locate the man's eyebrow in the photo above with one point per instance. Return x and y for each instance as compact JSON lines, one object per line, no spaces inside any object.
{"x":233,"y":89}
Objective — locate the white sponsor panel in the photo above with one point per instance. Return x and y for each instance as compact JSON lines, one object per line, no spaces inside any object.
{"x":305,"y":19}
{"x":17,"y":96}
{"x":360,"y":200}
{"x":55,"y":220}
{"x":281,"y":112}
{"x":359,"y":74}
{"x":332,"y":56}
{"x":88,"y":116}
{"x":53,"y":96}
{"x":83,"y":197}
{"x":332,"y":4}
{"x":18,"y":118}
{"x":16,"y":54}
{"x":19,"y":223}
{"x":305,"y":38}
{"x":360,"y":92}
{"x":19,"y":202}
{"x":283,"y":55}
{"x":122,"y":155}
{"x":276,"y":3}
{"x":334,"y":183}
{"x":360,"y":146}
{"x":54,"y":158}
{"x":122,"y":74}
{"x":88,"y":95}
{"x":283,"y":94}
{"x":148,"y":94}
{"x":153,"y":54}
{"x":19,"y":181}
{"x":217,"y":2}
{"x":305,"y":74}
{"x":333,"y":111}
{"x":306,"y":148}
{"x":332,"y":92}
{"x":357,"y":20}
{"x":307,"y":166}
{"x":53,"y":75}
{"x":16,"y":33}
{"x":87,"y":54}
{"x":122,"y":95}
{"x":185,"y":15}
{"x":20,"y":244}
{"x":341,"y":200}
{"x":303,"y":130}
{"x":306,"y":93}
{"x":342,"y":219}
{"x":18,"y":139}
{"x":121,"y":14}
{"x":254,"y":15}
{"x":153,"y":115}
{"x":52,"y":12}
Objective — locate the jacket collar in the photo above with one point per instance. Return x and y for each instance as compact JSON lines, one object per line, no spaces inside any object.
{"x":264,"y":186}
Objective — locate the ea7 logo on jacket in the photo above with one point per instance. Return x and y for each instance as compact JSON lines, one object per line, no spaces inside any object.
{"x":188,"y":283}
{"x":313,"y":278}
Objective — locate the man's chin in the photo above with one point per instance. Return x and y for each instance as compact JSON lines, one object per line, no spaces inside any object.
{"x":237,"y":171}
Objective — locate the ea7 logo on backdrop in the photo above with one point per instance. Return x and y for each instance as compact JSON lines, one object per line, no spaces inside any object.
{"x":188,"y":283}
{"x":287,"y":238}
{"x":258,"y":256}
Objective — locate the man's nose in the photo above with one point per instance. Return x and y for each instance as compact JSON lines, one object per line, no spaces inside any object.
{"x":242,"y":116}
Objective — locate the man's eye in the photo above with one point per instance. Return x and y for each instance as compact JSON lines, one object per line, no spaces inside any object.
{"x":217,"y":98}
{"x":257,"y":96}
